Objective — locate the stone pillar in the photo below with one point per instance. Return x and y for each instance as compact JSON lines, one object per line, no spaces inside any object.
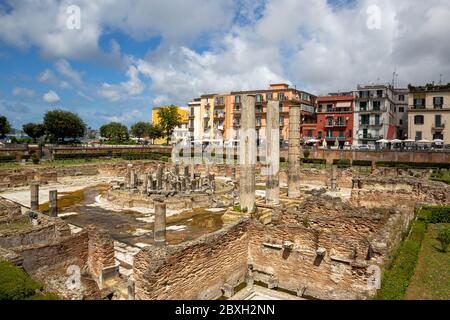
{"x":186,"y":172}
{"x":130,"y":287}
{"x":132,"y":179}
{"x":159,"y":229}
{"x":273,"y":153}
{"x":159,"y":177}
{"x":333,"y":178}
{"x":294,"y":152}
{"x":128,"y":176}
{"x":177,"y":169}
{"x":247,"y":154}
{"x":53,"y":203}
{"x":34,"y":202}
{"x":144,"y":183}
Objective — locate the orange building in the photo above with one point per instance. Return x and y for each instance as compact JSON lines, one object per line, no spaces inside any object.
{"x":218,"y":115}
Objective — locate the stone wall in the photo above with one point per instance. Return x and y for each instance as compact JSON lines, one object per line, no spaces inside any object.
{"x":399,"y":192}
{"x":196,"y":270}
{"x":324,"y":247}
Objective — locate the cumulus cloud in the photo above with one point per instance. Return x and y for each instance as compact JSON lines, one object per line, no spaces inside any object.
{"x":124,"y":117}
{"x":51,"y":97}
{"x":64,"y":68}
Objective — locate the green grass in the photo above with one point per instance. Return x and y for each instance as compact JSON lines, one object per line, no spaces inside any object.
{"x":431,"y":280}
{"x":15,"y":225}
{"x":398,"y":274}
{"x":15,"y":284}
{"x":442,"y":176}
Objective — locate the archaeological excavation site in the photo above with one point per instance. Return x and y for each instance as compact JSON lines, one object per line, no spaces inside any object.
{"x":248,"y":230}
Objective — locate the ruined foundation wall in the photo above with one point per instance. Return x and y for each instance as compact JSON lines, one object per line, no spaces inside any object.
{"x":323,"y":248}
{"x":196,"y":270}
{"x":71,"y":250}
{"x":399,"y":192}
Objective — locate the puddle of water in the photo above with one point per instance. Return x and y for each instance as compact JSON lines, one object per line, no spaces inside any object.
{"x":82,"y":208}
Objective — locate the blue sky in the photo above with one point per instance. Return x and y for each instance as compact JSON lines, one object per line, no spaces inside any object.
{"x":129,"y":56}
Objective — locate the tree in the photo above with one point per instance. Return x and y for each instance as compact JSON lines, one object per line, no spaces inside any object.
{"x":169,"y":119}
{"x":155,"y":132}
{"x":140,"y":129}
{"x":34,"y":130}
{"x":114,"y":131}
{"x":444,"y":238}
{"x":5,"y":127}
{"x":60,"y":124}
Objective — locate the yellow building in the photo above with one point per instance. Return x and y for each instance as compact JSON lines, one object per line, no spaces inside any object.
{"x":429,"y":113}
{"x":182,"y":130}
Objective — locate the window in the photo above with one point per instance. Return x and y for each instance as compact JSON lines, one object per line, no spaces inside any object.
{"x":419,"y":103}
{"x":418,"y":119}
{"x":363,"y":106}
{"x":376,"y":105}
{"x":400,"y":122}
{"x":310,"y":133}
{"x":365,"y":134}
{"x":281,"y":106}
{"x":401,"y":97}
{"x":340,"y":121}
{"x":259,"y":98}
{"x":365,"y":119}
{"x":379,"y":93}
{"x":438,"y":102}
{"x":258,"y":121}
{"x":281,"y":96}
{"x":269,"y":96}
{"x":377,"y":119}
{"x":350,"y":133}
{"x":237,"y":99}
{"x":418,"y":135}
{"x":329,"y":134}
{"x":341,"y":134}
{"x":438,"y":121}
{"x":329,"y":108}
{"x":281,"y":121}
{"x":401,"y":109}
{"x":319,"y":135}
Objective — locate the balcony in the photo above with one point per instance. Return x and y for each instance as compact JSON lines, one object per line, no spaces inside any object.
{"x":219,"y":115}
{"x":219,"y":103}
{"x":417,"y":107}
{"x":237,"y":111}
{"x":372,"y":110}
{"x":335,"y":124}
{"x":438,"y":126}
{"x":207,"y":106}
{"x":370,"y":124}
{"x":370,"y":137}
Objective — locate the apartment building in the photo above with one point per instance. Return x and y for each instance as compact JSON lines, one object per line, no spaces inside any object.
{"x":401,"y":112}
{"x":374,"y":114}
{"x":220,"y":114}
{"x":429,"y":112}
{"x":334,"y":120}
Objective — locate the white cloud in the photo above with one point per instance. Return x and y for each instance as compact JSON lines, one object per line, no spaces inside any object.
{"x":49,"y":77}
{"x":64,"y":68}
{"x":133,"y":87}
{"x":51,"y":97}
{"x":19,"y":91}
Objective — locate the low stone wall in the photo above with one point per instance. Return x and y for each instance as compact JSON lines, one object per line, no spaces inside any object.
{"x":196,"y":270}
{"x":399,"y":191}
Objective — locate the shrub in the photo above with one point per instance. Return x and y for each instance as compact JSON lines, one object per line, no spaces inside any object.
{"x":362,"y":163}
{"x":341,"y":163}
{"x":435,"y":214}
{"x":35,"y":158}
{"x":416,"y":165}
{"x":15,"y":284}
{"x":306,"y":153}
{"x":7,"y":158}
{"x":314,"y":161}
{"x":444,"y":238}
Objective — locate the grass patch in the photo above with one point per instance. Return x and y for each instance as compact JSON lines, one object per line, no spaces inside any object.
{"x":442,"y":176}
{"x":398,"y":274}
{"x":15,"y":225}
{"x":431,"y":280}
{"x":15,"y":284}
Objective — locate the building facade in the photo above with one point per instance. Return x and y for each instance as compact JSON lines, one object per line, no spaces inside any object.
{"x":219,"y":115}
{"x":401,"y":111}
{"x":334,"y":120}
{"x":374,"y":115}
{"x":179,"y":133}
{"x":429,"y":113}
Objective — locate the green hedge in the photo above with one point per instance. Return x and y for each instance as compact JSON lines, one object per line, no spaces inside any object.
{"x":397,"y":276}
{"x":123,"y":155}
{"x":313,"y":161}
{"x":442,"y":176}
{"x":341,"y":163}
{"x":413,"y":165}
{"x":7,"y":159}
{"x":435,"y":214}
{"x":90,"y":155}
{"x":362,"y":163}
